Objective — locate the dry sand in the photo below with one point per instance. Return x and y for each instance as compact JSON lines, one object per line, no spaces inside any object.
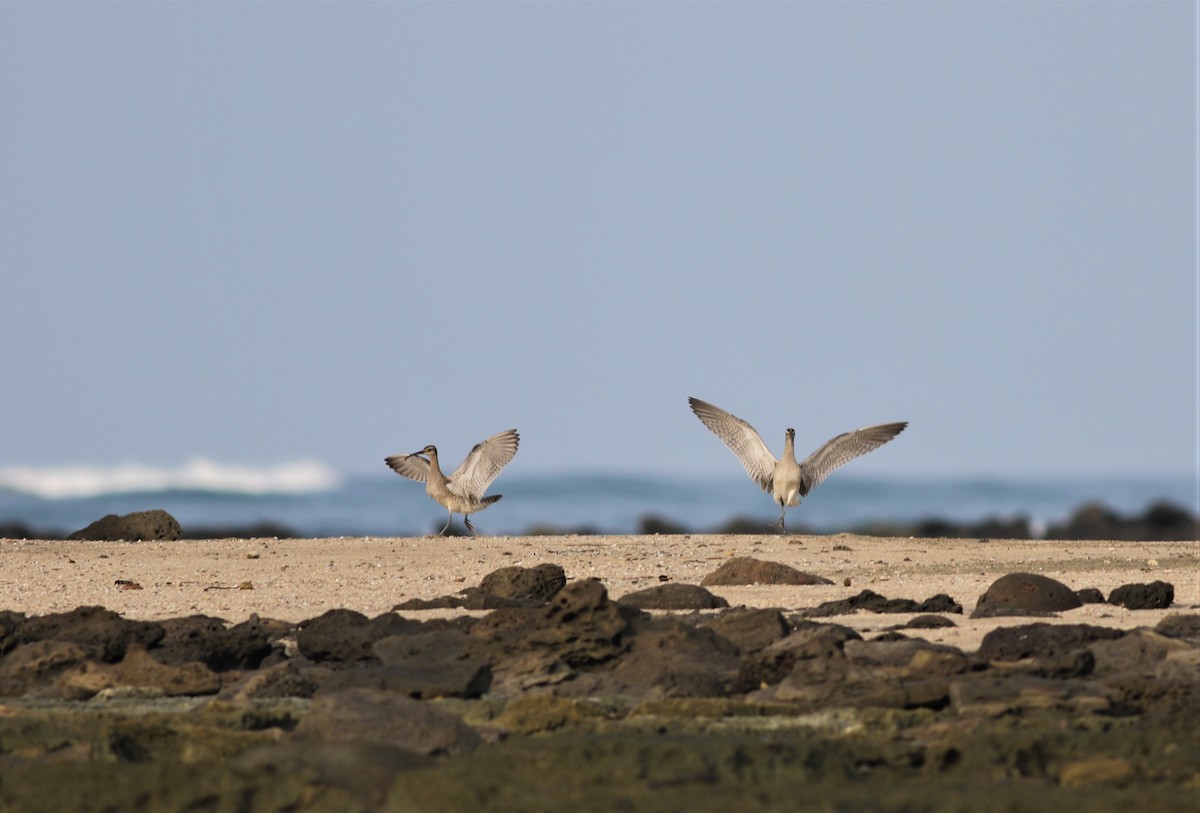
{"x":294,"y":579}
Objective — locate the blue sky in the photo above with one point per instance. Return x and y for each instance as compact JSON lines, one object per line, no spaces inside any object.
{"x":269,"y":231}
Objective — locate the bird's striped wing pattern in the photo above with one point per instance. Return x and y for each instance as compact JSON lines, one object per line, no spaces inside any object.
{"x":483,"y":464}
{"x":842,"y":449}
{"x":741,"y":438}
{"x":410,"y":466}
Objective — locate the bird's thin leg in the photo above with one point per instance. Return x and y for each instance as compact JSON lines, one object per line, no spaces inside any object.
{"x":470,"y":527}
{"x":449,"y":519}
{"x":782,"y":514}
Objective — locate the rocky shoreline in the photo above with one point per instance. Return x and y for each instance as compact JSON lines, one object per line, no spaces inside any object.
{"x":1160,"y":521}
{"x":535,"y":690}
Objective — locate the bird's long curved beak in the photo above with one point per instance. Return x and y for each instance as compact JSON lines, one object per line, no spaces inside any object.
{"x":416,"y":454}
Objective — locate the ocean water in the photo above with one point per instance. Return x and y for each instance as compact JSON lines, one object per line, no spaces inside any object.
{"x":315,"y":501}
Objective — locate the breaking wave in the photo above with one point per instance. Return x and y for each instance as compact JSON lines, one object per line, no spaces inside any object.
{"x":76,"y":481}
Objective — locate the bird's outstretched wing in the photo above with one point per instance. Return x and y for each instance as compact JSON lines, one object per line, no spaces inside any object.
{"x":741,"y":438}
{"x":842,"y":449}
{"x":411,"y":466}
{"x":483,"y":463}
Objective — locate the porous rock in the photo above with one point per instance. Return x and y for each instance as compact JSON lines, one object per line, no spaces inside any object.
{"x":347,"y":635}
{"x":103,"y":633}
{"x":156,"y":525}
{"x":1156,"y":595}
{"x":667,"y":657}
{"x":774,"y":662}
{"x":539,"y":583}
{"x":138,"y":670}
{"x":34,"y":668}
{"x":204,"y":639}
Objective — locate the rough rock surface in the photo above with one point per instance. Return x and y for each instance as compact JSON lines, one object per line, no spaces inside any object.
{"x":591,"y":698}
{"x":156,"y":525}
{"x":539,"y":583}
{"x":1156,"y":595}
{"x":873,"y":602}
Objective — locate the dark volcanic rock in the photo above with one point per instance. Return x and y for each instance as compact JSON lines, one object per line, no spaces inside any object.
{"x":667,"y":657}
{"x":926,"y":622}
{"x":750,"y":629}
{"x":10,"y":622}
{"x":138,"y":670}
{"x":346,"y":635}
{"x":471,"y":598}
{"x":1018,"y":593}
{"x":908,"y":673}
{"x":1090,"y":595}
{"x":103,"y":633}
{"x":673,"y":597}
{"x":1156,"y":595}
{"x":1138,"y":651}
{"x":141,"y":525}
{"x":1184,"y":627}
{"x":1040,"y":640}
{"x":747,"y":570}
{"x":207,"y":640}
{"x":872,"y":601}
{"x":386,"y":718}
{"x":539,"y":583}
{"x":297,"y":677}
{"x":427,"y":664}
{"x":533,"y":647}
{"x":775,"y":662}
{"x":35,"y":668}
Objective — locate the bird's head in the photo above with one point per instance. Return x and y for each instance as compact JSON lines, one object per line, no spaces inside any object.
{"x":429,"y":450}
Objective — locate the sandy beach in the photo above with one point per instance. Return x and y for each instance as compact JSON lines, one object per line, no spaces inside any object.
{"x":295,"y":579}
